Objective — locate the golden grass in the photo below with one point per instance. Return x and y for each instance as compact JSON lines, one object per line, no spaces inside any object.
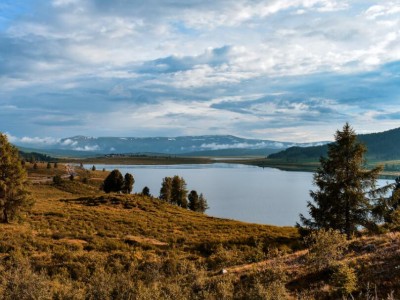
{"x":73,"y":226}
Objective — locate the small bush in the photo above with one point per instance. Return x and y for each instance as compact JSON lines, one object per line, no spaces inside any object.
{"x":57,"y":179}
{"x":344,"y":278}
{"x":325,"y":247}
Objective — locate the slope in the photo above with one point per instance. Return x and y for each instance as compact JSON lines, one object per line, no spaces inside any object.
{"x":381,"y":146}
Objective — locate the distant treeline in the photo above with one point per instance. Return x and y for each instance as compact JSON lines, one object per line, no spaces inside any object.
{"x":381,"y":146}
{"x":35,"y":156}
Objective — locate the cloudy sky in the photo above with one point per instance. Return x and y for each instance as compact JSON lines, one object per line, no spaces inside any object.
{"x":289,"y":70}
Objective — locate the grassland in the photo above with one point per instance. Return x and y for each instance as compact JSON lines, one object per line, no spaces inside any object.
{"x":80,"y":243}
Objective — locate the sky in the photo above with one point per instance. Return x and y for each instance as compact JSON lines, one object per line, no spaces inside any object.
{"x":286,"y":70}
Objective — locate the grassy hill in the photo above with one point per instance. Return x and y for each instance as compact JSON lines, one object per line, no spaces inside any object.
{"x":80,"y":243}
{"x":382,"y":146}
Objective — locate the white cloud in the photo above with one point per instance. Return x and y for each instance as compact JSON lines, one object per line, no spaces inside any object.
{"x":216,"y":146}
{"x":34,"y":140}
{"x":161,"y":66}
{"x":69,"y":142}
{"x":87,"y":148}
{"x":384,"y":9}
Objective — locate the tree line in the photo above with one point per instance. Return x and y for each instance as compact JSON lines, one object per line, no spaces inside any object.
{"x":173,"y":190}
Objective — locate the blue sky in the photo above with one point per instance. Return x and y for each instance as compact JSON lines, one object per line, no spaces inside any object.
{"x":285,"y":70}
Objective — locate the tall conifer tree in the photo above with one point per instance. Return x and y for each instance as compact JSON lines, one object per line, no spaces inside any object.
{"x":343,"y":200}
{"x":13,"y":194}
{"x":166,"y":189}
{"x":128,"y":183}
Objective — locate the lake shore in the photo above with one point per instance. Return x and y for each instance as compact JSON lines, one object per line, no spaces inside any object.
{"x":295,"y":166}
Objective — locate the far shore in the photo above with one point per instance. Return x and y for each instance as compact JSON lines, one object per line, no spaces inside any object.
{"x":296,"y":166}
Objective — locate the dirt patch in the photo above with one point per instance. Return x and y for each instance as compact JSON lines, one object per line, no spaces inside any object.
{"x":132,"y":239}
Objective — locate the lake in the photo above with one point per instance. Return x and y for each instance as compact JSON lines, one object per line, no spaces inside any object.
{"x":234,"y":191}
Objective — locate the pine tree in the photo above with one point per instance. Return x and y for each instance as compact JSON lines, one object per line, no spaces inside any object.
{"x":13,"y":194}
{"x":387,"y":209}
{"x":48,"y":165}
{"x":146,"y":191}
{"x":113,"y":182}
{"x":128,"y":183}
{"x":343,"y":199}
{"x":179,"y":191}
{"x":203,"y":206}
{"x":193,"y":198}
{"x":166,"y":189}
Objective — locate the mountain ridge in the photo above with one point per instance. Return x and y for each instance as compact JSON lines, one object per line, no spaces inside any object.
{"x":165,"y":145}
{"x":383,"y":145}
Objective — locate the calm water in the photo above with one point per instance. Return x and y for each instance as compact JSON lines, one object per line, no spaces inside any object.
{"x":246,"y":193}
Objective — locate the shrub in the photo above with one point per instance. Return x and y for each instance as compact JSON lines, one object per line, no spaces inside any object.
{"x":20,"y":282}
{"x":325,"y":247}
{"x":57,"y":179}
{"x":344,"y":278}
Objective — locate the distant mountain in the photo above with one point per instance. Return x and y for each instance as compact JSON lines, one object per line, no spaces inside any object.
{"x":233,"y":152}
{"x":381,"y":146}
{"x":194,"y":145}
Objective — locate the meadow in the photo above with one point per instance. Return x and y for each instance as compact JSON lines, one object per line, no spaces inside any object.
{"x":78,"y":242}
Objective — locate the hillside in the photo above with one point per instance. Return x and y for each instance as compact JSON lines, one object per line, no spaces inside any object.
{"x":381,"y":146}
{"x":79,"y":243}
{"x":36,"y":156}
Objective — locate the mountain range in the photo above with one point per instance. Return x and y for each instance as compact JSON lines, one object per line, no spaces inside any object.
{"x":381,"y":146}
{"x":210,"y":145}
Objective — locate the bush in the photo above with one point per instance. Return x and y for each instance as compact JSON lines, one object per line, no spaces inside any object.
{"x":325,"y":247}
{"x":57,"y":179}
{"x":344,"y":278}
{"x":22,"y":283}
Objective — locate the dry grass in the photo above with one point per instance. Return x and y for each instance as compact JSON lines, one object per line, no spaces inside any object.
{"x":77,"y":237}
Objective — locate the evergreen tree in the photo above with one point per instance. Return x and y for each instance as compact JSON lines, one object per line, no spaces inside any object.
{"x":128,"y":183}
{"x":48,"y":165}
{"x":193,"y":198}
{"x":93,"y":168}
{"x":343,"y":199}
{"x":166,"y":189}
{"x":35,"y":166}
{"x":387,"y":209}
{"x":113,"y":182}
{"x":203,"y":206}
{"x":57,"y":179}
{"x":55,"y":165}
{"x":13,"y":194}
{"x":179,"y":191}
{"x":146,"y":191}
